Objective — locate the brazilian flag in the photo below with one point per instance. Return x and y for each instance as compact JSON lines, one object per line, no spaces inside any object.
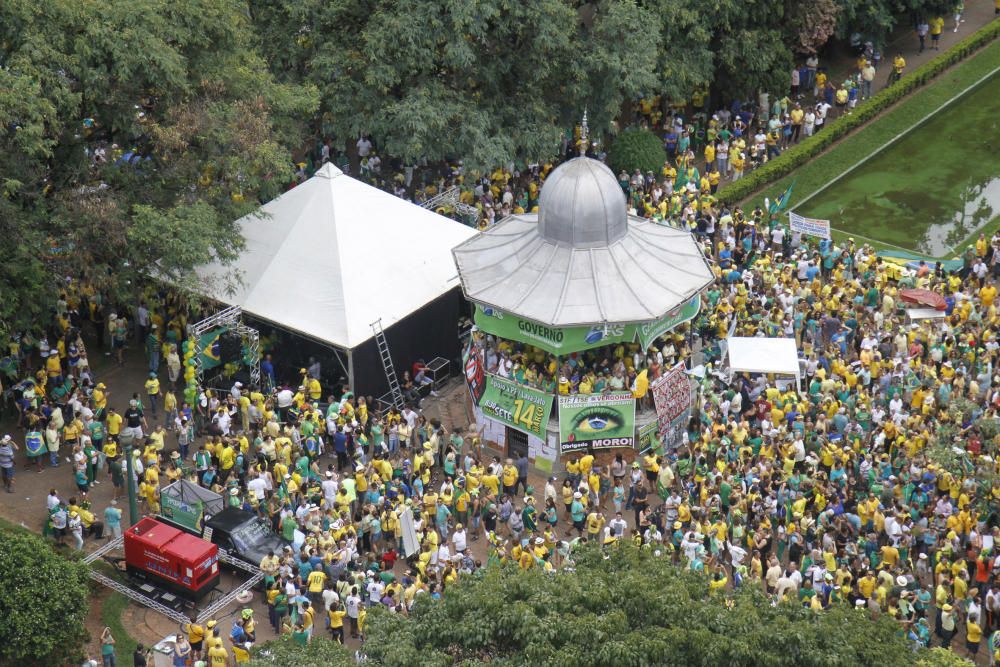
{"x":211,"y":353}
{"x":209,"y":345}
{"x":781,"y":203}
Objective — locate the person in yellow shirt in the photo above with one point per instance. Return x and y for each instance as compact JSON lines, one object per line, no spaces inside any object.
{"x":509,"y":475}
{"x":315,"y":389}
{"x":227,"y":459}
{"x":595,"y":521}
{"x":898,"y":65}
{"x":336,"y":615}
{"x":218,"y":656}
{"x":153,"y":392}
{"x":316,"y":580}
{"x":241,"y":653}
{"x":988,"y":294}
{"x":866,"y":585}
{"x":99,"y":400}
{"x":196,"y":635}
{"x":973,"y":636}
{"x":936,"y":25}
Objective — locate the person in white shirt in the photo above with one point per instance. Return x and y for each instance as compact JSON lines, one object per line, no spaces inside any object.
{"x":364,"y":146}
{"x":330,"y":487}
{"x":258,"y":487}
{"x":458,"y":539}
{"x":352,"y":605}
{"x":329,"y":597}
{"x":617,"y":526}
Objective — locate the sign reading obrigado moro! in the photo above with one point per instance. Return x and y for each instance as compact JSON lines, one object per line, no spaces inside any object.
{"x":598,"y":421}
{"x":523,"y":408}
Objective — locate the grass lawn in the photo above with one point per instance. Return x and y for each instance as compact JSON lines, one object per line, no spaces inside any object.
{"x":932,"y":189}
{"x":851,"y":150}
{"x":111,"y":616}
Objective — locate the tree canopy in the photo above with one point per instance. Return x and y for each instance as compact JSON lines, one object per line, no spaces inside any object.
{"x":484,"y":81}
{"x":629,"y":608}
{"x":134,"y":134}
{"x":44,"y":601}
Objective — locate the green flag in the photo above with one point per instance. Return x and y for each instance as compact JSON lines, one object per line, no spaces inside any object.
{"x":781,"y":203}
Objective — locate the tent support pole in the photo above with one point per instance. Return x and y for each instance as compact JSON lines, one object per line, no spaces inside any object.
{"x":350,"y":369}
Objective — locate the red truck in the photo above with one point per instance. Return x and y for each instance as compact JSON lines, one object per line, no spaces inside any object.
{"x":185,"y":564}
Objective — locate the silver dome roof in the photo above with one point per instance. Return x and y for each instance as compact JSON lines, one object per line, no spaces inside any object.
{"x":582,"y":205}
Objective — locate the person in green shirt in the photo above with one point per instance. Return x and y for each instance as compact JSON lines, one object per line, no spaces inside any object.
{"x":288,"y":526}
{"x":92,"y":460}
{"x":300,"y":635}
{"x":279,"y":606}
{"x":725,"y":491}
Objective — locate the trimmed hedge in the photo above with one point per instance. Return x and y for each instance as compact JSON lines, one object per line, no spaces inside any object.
{"x":637,"y":149}
{"x":805,"y":150}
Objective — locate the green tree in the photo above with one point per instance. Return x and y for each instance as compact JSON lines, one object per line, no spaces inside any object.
{"x":487,"y":81}
{"x":875,"y":20}
{"x":44,"y":601}
{"x":631,"y":608}
{"x":751,"y":44}
{"x":637,"y":149}
{"x":193,"y":129}
{"x":685,"y":61}
{"x":942,"y":657}
{"x":285,"y":652}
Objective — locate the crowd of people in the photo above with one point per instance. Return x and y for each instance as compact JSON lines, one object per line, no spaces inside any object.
{"x":875,"y":485}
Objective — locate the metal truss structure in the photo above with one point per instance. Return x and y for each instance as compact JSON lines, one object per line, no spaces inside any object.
{"x":157,"y":605}
{"x":450,"y":199}
{"x":231,"y":319}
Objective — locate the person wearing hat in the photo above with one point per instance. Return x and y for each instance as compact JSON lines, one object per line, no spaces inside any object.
{"x":75,"y":528}
{"x":99,"y":401}
{"x":949,"y":619}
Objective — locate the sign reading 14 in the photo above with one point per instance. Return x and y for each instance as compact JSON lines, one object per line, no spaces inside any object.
{"x":525,"y":413}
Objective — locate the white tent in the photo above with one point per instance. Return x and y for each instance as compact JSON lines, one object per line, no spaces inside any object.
{"x":917,"y":314}
{"x":764,"y":355}
{"x":333,"y":255}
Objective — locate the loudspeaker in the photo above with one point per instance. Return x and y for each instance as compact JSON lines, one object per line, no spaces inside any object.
{"x":230,"y":347}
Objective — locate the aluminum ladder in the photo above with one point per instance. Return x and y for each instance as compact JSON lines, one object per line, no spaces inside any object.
{"x":390,"y":371}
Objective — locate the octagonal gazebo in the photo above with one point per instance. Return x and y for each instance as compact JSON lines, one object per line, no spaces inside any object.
{"x":580,"y":274}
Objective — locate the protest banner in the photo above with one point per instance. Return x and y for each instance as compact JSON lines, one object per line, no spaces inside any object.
{"x":672,"y":399}
{"x":185,"y":513}
{"x":650,"y":331}
{"x":809,"y":226}
{"x":515,"y":405}
{"x":649,"y":437}
{"x":475,"y":372}
{"x":560,"y":340}
{"x":598,"y":421}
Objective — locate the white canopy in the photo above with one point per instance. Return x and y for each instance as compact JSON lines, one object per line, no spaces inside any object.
{"x":582,"y":259}
{"x":333,"y":255}
{"x":764,"y":355}
{"x":915,"y":314}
